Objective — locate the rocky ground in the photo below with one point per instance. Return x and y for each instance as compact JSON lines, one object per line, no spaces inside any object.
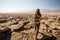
{"x":20,"y":27}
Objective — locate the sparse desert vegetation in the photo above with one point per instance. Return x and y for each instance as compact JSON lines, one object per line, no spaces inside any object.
{"x":20,"y":27}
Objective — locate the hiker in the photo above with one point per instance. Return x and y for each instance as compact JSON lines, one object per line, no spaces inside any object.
{"x":37,"y":17}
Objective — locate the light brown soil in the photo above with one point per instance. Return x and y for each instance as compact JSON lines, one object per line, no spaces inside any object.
{"x":20,"y":27}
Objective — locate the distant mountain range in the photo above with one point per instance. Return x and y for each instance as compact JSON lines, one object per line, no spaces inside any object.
{"x":43,"y":10}
{"x":47,"y":10}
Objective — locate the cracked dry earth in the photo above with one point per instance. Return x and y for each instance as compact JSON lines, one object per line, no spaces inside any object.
{"x":20,"y":27}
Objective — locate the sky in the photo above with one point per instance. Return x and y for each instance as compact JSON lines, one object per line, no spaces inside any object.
{"x":25,"y":5}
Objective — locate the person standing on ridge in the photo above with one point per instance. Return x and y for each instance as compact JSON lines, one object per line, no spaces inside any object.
{"x":37,"y":18}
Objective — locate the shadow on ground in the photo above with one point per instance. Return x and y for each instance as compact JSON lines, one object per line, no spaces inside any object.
{"x":6,"y":35}
{"x":47,"y":37}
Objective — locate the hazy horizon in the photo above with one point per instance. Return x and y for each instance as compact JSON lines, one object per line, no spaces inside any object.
{"x":7,"y":6}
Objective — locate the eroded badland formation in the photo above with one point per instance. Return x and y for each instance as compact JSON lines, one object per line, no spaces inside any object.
{"x":20,"y":27}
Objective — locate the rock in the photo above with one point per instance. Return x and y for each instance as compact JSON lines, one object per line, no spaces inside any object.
{"x":56,"y":28}
{"x":51,"y":20}
{"x":28,"y":26}
{"x":14,"y":22}
{"x":10,"y":18}
{"x":39,"y":36}
{"x":3,"y":20}
{"x":3,"y":28}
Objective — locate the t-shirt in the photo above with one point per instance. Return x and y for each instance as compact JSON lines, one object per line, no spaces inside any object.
{"x":36,"y":19}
